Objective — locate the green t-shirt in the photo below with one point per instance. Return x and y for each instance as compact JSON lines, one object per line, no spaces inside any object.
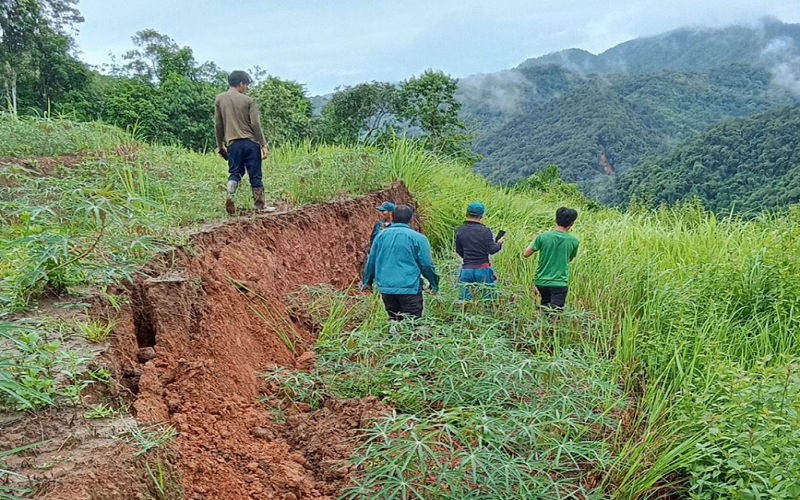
{"x":556,"y":249}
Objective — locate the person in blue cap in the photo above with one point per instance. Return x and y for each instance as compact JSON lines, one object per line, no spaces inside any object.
{"x":400,"y":257}
{"x":386,"y":210}
{"x":475,"y":243}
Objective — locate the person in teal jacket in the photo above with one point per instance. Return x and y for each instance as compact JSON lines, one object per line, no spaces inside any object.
{"x":398,"y":258}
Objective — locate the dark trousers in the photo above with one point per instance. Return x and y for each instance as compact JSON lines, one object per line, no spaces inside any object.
{"x":553,"y":297}
{"x":403,"y":306}
{"x":244,"y":155}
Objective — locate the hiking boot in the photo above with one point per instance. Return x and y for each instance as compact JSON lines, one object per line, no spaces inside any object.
{"x":258,"y":198}
{"x":229,"y":206}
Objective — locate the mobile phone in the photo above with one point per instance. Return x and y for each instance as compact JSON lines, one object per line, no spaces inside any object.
{"x":223,"y":154}
{"x":500,"y":234}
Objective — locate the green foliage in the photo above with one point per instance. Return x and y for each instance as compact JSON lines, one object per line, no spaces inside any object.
{"x":499,"y":402}
{"x":747,"y":164}
{"x":95,"y":330}
{"x":428,"y":102}
{"x":35,"y":368}
{"x":164,"y":478}
{"x":294,"y":386}
{"x":668,"y":307}
{"x":605,"y":126}
{"x":34,"y":48}
{"x":285,"y":110}
{"x":751,"y":433}
{"x":96,"y":221}
{"x":153,"y":437}
{"x":103,"y":410}
{"x":25,"y":136}
{"x":8,"y":492}
{"x":358,"y":114}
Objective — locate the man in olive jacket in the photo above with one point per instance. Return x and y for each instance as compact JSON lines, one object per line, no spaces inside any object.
{"x":238,"y":125}
{"x":399,"y":255}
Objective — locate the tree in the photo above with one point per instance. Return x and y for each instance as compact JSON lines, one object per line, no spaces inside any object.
{"x":428,"y":102}
{"x":157,"y":56}
{"x":56,"y":71}
{"x":28,"y":29}
{"x":358,"y":114}
{"x":163,"y":93}
{"x":285,"y":110}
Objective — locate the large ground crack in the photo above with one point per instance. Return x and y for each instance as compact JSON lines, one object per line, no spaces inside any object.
{"x":207,"y":320}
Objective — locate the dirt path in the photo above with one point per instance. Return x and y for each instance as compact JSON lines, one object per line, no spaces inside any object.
{"x":201,"y":325}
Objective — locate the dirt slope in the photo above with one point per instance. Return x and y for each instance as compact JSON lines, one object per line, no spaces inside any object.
{"x":190,"y":346}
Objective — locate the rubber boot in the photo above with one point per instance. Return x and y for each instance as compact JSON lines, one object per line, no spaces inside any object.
{"x":258,"y":198}
{"x":229,"y":206}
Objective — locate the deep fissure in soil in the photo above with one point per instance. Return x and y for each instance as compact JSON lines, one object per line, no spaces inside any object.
{"x":204,"y":322}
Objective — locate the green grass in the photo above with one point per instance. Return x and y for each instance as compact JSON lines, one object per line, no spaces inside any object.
{"x":27,"y":136}
{"x":35,"y":369}
{"x":669,"y":310}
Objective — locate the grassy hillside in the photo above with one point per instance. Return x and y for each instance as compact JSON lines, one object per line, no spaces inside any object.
{"x":748,"y":164}
{"x":671,"y":373}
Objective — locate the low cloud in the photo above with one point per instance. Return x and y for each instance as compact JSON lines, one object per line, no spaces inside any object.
{"x":782,"y":57}
{"x":502,"y":91}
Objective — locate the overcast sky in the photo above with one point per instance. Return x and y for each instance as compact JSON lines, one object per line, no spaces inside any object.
{"x":327,"y":43}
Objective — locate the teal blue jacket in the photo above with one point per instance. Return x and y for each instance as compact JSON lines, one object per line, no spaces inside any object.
{"x":399,"y":255}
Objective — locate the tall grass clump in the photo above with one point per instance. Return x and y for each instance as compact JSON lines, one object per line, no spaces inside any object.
{"x":30,"y":136}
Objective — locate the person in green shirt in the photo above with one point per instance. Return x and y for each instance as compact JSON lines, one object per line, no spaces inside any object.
{"x":556,"y":249}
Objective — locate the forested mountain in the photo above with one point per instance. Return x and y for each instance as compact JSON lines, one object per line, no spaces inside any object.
{"x":746,"y":164}
{"x":596,"y":126}
{"x":595,"y":116}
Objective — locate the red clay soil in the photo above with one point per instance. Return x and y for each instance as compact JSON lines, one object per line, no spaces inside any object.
{"x":190,"y":348}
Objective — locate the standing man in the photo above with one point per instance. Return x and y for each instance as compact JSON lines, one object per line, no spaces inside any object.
{"x":238,"y":125}
{"x":398,"y":257}
{"x":475,"y":243}
{"x":557,"y":249}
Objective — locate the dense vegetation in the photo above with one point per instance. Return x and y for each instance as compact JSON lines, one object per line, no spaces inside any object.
{"x":158,"y":91}
{"x":595,"y":116}
{"x":746,"y":164}
{"x":603,"y":125}
{"x":671,"y":372}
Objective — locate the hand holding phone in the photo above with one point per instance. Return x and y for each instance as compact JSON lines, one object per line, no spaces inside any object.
{"x":500,"y":234}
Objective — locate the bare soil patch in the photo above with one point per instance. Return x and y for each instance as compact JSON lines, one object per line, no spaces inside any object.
{"x":202,"y":323}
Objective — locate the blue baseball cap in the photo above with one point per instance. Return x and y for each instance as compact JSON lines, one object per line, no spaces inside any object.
{"x":387,"y":206}
{"x":476,"y":209}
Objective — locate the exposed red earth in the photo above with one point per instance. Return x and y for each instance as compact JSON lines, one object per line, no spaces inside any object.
{"x":187,"y":351}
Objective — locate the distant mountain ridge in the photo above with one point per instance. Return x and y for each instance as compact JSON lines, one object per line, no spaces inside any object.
{"x":596,"y":116}
{"x":685,"y":49}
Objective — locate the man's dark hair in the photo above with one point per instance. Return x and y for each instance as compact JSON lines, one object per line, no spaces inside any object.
{"x":238,"y":77}
{"x":566,"y":216}
{"x":402,"y":214}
